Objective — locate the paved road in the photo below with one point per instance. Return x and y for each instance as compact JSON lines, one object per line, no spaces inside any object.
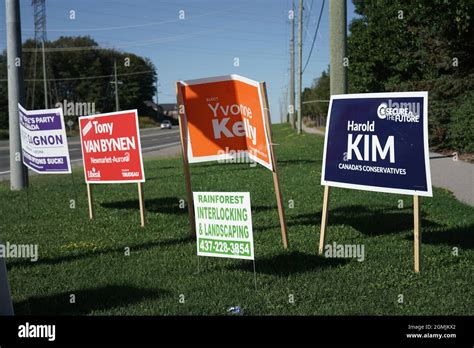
{"x":152,"y":140}
{"x":456,"y":176}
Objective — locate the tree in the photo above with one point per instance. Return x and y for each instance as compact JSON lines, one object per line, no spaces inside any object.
{"x":82,"y":73}
{"x":319,"y":91}
{"x":405,"y":46}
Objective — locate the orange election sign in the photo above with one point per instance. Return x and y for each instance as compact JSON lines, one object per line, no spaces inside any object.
{"x":225,"y":118}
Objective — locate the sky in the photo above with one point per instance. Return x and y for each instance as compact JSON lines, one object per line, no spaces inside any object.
{"x":213,"y":35}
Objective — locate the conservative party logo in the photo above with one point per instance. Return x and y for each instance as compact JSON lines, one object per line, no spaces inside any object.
{"x":399,"y":112}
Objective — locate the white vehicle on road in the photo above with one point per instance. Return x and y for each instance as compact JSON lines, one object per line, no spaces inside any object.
{"x":166,"y":125}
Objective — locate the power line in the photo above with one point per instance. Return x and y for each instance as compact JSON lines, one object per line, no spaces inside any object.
{"x":165,"y":39}
{"x":315,"y":35}
{"x":306,"y":20}
{"x":126,"y":44}
{"x":172,"y":46}
{"x":153,"y":41}
{"x":309,"y":12}
{"x":133,"y":25}
{"x":91,"y":77}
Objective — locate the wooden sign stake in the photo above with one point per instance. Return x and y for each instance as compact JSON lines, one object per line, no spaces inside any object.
{"x":142,"y":204}
{"x":416,"y":227}
{"x":417,"y":232}
{"x":324,"y":219}
{"x":276,"y":181}
{"x":74,"y":187}
{"x":89,"y":200}
{"x":187,"y":175}
{"x":184,"y":147}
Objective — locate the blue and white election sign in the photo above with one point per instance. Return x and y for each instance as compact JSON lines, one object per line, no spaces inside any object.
{"x":378,"y":142}
{"x":43,"y":141}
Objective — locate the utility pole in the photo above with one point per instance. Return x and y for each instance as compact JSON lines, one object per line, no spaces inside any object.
{"x":292,"y":68}
{"x":39,"y":15}
{"x":282,"y":110}
{"x":18,"y":172}
{"x":45,"y":85}
{"x":300,"y":68}
{"x":39,"y":12}
{"x":157,"y":101}
{"x":338,"y":39}
{"x":117,"y":105}
{"x":156,"y":84}
{"x":338,"y":77}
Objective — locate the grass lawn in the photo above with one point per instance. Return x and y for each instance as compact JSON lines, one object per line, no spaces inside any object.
{"x":87,"y":258}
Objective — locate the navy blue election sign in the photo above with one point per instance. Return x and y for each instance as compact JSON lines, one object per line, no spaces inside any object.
{"x":378,"y":142}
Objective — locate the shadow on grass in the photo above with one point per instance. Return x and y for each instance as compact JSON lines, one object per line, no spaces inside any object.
{"x":298,"y":161}
{"x":225,"y":168}
{"x":260,"y":208}
{"x":165,"y":205}
{"x":375,"y":222}
{"x":371,"y":222}
{"x":87,"y":300}
{"x":158,"y":168}
{"x":283,"y":265}
{"x":160,"y":178}
{"x":462,"y":237}
{"x":93,"y":253}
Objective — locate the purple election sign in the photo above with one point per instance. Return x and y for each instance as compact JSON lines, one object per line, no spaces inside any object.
{"x":43,"y":141}
{"x":378,"y":142}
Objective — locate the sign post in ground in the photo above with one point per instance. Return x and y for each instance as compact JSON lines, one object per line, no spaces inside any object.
{"x":111,"y":153}
{"x":90,"y":201}
{"x":183,"y":132}
{"x":226,"y":118}
{"x":276,"y":180}
{"x":378,"y":142}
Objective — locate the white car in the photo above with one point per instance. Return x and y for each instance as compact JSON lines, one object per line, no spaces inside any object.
{"x":166,"y":125}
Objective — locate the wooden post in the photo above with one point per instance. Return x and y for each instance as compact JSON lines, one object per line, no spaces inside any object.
{"x":276,"y":181}
{"x":417,"y":232}
{"x":142,"y":204}
{"x":184,"y":147}
{"x":89,"y":200}
{"x":324,"y":219}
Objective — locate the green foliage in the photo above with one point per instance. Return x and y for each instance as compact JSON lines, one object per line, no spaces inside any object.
{"x":461,"y":132}
{"x":444,"y":97}
{"x":84,"y":59}
{"x":147,"y":122}
{"x":4,"y":135}
{"x":318,"y":91}
{"x":404,"y":46}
